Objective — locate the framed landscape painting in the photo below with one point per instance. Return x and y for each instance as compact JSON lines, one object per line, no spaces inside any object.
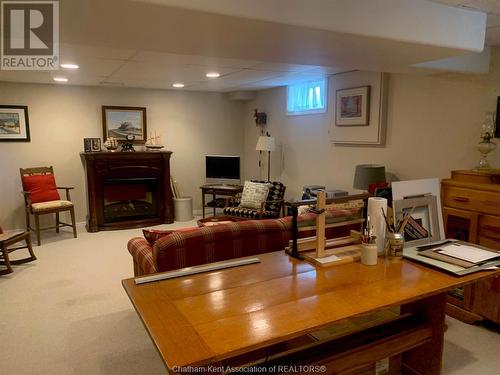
{"x":352,"y":106}
{"x":120,"y":122}
{"x":14,"y":124}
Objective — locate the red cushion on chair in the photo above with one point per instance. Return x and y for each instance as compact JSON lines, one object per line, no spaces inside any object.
{"x":42,"y":187}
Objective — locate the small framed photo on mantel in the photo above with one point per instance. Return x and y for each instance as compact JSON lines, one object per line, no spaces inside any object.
{"x":353,"y":106}
{"x":91,"y":144}
{"x":14,"y":124}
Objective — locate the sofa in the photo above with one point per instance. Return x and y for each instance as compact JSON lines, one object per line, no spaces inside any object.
{"x":195,"y":246}
{"x":170,"y":250}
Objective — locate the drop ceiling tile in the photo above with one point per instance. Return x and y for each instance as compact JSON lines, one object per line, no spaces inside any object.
{"x":133,"y":70}
{"x":92,"y":66}
{"x":279,"y":67}
{"x":47,"y":77}
{"x":210,"y":62}
{"x":26,"y":76}
{"x":211,"y":86}
{"x":77,"y":51}
{"x":290,"y":78}
{"x":248,"y":75}
{"x":262,"y":85}
{"x":141,"y":84}
{"x":327,"y":70}
{"x":85,"y":80}
{"x":236,"y":80}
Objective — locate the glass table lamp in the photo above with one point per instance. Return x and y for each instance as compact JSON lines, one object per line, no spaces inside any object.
{"x":485,"y":146}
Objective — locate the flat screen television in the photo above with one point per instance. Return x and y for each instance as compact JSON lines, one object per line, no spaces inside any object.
{"x":222,"y":169}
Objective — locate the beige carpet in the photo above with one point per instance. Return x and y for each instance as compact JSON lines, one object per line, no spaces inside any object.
{"x":67,"y":313}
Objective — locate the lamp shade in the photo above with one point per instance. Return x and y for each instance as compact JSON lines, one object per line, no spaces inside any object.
{"x":265,"y":143}
{"x":367,"y":174}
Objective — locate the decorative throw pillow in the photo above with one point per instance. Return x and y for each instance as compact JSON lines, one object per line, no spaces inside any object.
{"x":254,"y":193}
{"x":152,"y":235}
{"x":41,"y":187}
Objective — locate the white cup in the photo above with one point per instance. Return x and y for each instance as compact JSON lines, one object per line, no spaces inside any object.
{"x":369,"y":254}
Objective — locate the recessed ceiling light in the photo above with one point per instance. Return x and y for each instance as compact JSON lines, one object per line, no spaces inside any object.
{"x":178,"y":85}
{"x":69,"y":66}
{"x":213,"y":75}
{"x":60,"y":79}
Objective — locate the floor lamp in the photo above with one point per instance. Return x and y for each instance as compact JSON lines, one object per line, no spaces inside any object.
{"x":266,"y":143}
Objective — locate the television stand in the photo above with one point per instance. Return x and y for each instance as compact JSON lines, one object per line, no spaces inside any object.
{"x":215,"y":190}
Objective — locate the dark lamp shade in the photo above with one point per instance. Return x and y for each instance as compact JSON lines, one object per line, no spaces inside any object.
{"x":367,"y":174}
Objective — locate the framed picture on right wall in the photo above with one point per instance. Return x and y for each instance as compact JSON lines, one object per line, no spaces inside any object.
{"x":360,"y":105}
{"x":352,"y":106}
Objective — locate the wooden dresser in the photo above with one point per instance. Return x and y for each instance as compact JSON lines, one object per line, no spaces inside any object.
{"x":471,"y":212}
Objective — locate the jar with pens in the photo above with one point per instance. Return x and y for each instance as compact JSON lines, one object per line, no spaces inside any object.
{"x":395,"y":238}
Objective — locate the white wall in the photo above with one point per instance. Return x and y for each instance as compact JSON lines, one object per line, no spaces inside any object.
{"x":433,"y":127}
{"x":191,"y":125}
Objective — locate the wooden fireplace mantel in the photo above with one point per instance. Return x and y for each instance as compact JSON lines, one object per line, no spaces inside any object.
{"x":103,"y":166}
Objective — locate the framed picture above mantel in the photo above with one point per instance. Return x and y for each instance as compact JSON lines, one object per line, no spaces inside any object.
{"x":360,"y":108}
{"x":120,"y":122}
{"x":14,"y":123}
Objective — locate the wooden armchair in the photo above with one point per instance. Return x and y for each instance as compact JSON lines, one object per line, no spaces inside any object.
{"x":41,"y":198}
{"x":269,"y":209}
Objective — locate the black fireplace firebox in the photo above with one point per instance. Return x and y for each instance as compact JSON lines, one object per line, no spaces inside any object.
{"x":127,"y":190}
{"x":130,"y":199}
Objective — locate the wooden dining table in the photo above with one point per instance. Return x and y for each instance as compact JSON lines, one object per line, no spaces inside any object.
{"x":264,"y":313}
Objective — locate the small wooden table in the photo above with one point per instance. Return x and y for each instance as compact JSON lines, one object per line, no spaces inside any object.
{"x":233,"y":316}
{"x":218,"y":189}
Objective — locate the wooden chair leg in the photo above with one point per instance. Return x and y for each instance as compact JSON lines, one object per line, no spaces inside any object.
{"x":73,"y":221}
{"x":57,"y":222}
{"x":6,"y":261}
{"x":37,"y":228}
{"x":30,"y":246}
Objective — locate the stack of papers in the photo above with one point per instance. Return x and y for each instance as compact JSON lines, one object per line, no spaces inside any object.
{"x":456,"y":257}
{"x":468,"y":253}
